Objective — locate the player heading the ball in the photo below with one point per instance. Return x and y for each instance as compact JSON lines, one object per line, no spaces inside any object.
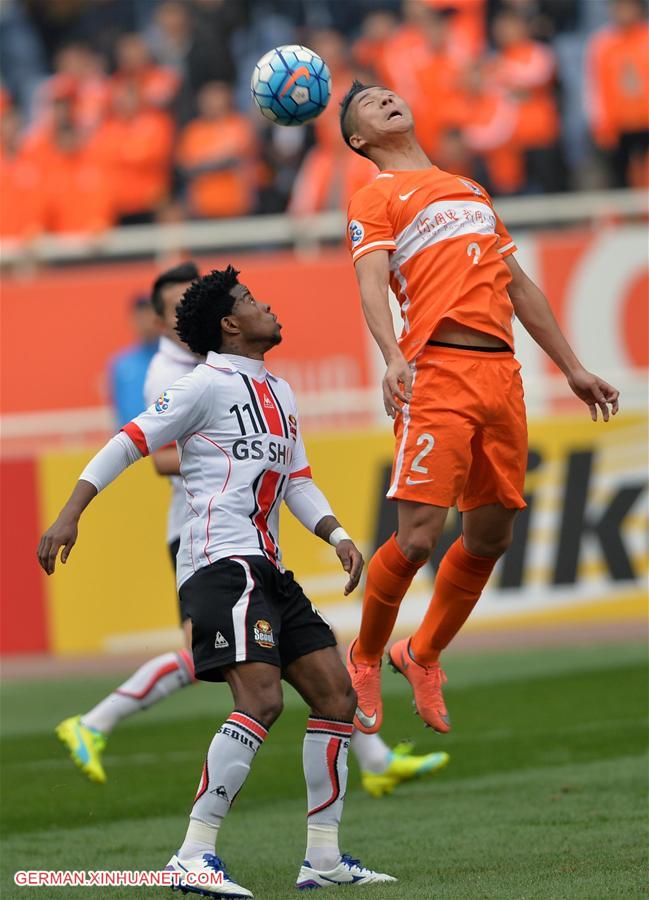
{"x":452,"y":384}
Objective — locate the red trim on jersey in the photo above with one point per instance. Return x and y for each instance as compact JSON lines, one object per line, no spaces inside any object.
{"x":333,"y":749}
{"x":219,"y":368}
{"x":165,"y":670}
{"x":268,"y":408}
{"x":251,"y":724}
{"x":224,"y":452}
{"x":265,"y":499}
{"x":204,"y":782}
{"x":303,"y":473}
{"x":137,"y":436}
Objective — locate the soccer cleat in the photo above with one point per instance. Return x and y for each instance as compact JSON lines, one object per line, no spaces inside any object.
{"x":426,"y":683}
{"x":85,"y":745}
{"x":366,"y":681}
{"x":194,"y":872}
{"x":348,"y":871}
{"x":403,"y":766}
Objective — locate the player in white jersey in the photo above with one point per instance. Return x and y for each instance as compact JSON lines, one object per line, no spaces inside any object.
{"x":237,"y":432}
{"x":86,"y":735}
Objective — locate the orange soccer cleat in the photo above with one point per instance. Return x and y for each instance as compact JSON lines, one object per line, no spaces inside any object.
{"x":366,"y":681}
{"x":426,"y":683}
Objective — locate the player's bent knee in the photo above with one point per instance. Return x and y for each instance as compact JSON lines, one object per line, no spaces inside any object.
{"x":418,"y":546}
{"x":493,"y":547}
{"x":265,"y":708}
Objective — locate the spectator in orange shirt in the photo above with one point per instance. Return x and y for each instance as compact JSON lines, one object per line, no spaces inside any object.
{"x":135,"y":146}
{"x":435,"y":107}
{"x":76,"y":194}
{"x":489,"y":118}
{"x":21,"y":207}
{"x":216,"y":156}
{"x":618,"y":82}
{"x":157,"y":85}
{"x":370,"y":51}
{"x":468,"y":24}
{"x":525,"y":70}
{"x":79,"y":75}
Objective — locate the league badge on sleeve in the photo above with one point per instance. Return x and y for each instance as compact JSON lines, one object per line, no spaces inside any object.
{"x":356,"y":232}
{"x":163,"y":402}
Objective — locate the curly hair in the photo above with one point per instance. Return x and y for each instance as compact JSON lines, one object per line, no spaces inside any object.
{"x":205,"y":302}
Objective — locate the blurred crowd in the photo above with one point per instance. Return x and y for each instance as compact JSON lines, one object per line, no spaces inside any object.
{"x":116,"y":112}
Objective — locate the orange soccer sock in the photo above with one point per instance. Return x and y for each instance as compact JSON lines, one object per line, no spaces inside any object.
{"x":460,"y":580}
{"x":388,"y":578}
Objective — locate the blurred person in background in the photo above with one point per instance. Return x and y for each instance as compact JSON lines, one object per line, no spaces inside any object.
{"x":439,"y":77}
{"x":156,"y":84}
{"x":617,"y":80}
{"x":128,"y":368}
{"x":79,"y":73}
{"x":467,"y":24}
{"x":194,"y":39}
{"x":489,"y":118}
{"x":21,"y":198}
{"x":216,"y":156}
{"x":69,"y":169}
{"x":525,"y":70}
{"x":146,"y":372}
{"x":134,"y":145}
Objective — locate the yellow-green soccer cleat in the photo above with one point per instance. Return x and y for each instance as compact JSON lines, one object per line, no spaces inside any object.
{"x":404,"y":766}
{"x":85,"y":745}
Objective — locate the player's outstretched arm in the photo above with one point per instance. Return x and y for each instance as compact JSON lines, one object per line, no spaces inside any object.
{"x":534,"y":312}
{"x":116,"y":456}
{"x":372,"y":273}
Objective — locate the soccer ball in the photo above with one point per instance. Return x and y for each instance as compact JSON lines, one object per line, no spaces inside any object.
{"x":291,"y":85}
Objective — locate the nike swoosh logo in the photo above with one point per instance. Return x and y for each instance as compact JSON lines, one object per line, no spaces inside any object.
{"x":81,"y":750}
{"x":367,"y":721}
{"x":423,"y":481}
{"x":294,"y":77}
{"x":352,"y":880}
{"x":407,"y":196}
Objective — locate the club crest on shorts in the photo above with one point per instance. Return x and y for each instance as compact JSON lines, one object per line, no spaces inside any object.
{"x":356,"y":232}
{"x":163,"y":402}
{"x":264,"y":633}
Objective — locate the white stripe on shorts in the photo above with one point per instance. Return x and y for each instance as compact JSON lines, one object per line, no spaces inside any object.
{"x":404,"y":438}
{"x":240,"y":611}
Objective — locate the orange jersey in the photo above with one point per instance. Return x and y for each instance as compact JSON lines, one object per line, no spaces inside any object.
{"x":447,"y":248}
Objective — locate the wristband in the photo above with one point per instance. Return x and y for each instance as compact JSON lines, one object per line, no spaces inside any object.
{"x":337,"y":535}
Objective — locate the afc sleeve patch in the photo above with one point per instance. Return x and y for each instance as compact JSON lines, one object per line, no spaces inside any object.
{"x":356,"y":232}
{"x":163,"y":402}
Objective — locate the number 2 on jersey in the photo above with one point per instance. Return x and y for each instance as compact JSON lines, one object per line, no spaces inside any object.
{"x":429,"y":442}
{"x":474,"y":250}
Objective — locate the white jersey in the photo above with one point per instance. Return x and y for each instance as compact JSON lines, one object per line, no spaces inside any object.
{"x":237,"y":433}
{"x":170,"y":363}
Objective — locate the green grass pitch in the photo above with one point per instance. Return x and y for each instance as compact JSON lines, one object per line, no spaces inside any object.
{"x":545,"y":795}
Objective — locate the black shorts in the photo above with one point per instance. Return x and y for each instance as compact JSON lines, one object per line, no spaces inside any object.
{"x":174,"y":547}
{"x":243,"y":609}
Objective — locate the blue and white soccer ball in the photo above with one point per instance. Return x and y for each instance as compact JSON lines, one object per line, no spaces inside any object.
{"x":291,"y":85}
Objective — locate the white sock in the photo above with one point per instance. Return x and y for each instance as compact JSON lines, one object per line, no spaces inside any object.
{"x":371,"y":751}
{"x":156,"y":679}
{"x":200,"y":839}
{"x":226,"y":768}
{"x":324,"y":756}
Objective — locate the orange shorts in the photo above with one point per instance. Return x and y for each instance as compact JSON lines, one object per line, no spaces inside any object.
{"x":463,"y":437}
